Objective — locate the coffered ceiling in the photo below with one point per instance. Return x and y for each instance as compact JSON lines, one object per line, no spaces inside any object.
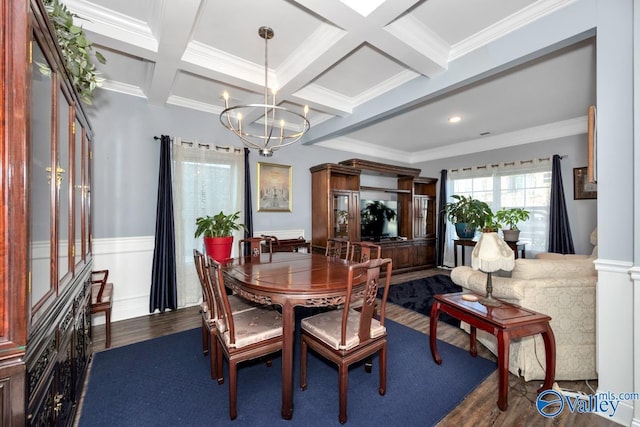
{"x":341,"y":56}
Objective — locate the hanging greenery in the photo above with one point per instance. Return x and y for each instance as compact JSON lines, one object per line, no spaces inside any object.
{"x":76,"y":49}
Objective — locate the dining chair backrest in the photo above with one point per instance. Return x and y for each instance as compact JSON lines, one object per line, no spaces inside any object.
{"x":364,"y":251}
{"x":200,"y":262}
{"x":215,"y":281}
{"x":337,"y":248}
{"x":371,"y":269}
{"x":255,"y":245}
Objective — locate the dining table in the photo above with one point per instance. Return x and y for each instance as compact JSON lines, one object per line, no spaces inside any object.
{"x":290,"y":279}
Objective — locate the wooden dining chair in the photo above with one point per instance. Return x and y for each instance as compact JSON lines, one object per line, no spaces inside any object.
{"x":241,"y":336}
{"x":364,"y":251}
{"x":256,"y":245}
{"x":346,"y":336}
{"x":102,"y":299}
{"x":208,"y":310}
{"x":337,"y":248}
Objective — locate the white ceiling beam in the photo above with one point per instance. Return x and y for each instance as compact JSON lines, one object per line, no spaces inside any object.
{"x":177,"y":22}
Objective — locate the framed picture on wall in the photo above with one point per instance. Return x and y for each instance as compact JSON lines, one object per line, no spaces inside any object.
{"x":582,"y":188}
{"x":274,"y":188}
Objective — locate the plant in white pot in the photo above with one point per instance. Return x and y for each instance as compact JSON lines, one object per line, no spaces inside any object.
{"x":217,"y":232}
{"x":510,"y":218}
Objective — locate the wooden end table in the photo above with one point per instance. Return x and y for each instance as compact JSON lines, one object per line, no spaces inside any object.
{"x":517,"y":247}
{"x":504,"y":322}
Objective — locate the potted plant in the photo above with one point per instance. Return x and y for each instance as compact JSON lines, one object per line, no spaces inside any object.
{"x":510,"y":218}
{"x":218,"y":233}
{"x":467,"y":214}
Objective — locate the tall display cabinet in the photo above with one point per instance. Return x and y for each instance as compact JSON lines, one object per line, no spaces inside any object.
{"x":338,"y":188}
{"x":45,"y":257}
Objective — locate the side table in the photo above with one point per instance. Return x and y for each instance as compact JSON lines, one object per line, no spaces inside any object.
{"x":518,"y":248}
{"x":504,"y":322}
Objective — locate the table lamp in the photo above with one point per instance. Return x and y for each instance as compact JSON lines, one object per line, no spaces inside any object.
{"x":490,"y":254}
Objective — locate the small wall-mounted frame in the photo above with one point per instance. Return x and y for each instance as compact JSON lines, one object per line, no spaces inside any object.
{"x":274,"y":188}
{"x":582,"y":188}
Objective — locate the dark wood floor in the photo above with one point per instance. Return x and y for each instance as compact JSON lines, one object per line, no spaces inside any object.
{"x":479,"y":407}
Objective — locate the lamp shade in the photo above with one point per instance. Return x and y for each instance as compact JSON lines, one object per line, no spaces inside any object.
{"x":491,"y":253}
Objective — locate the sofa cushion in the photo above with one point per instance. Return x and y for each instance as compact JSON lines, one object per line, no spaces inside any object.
{"x":553,"y":268}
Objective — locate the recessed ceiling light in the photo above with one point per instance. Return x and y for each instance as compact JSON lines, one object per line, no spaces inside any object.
{"x":454,"y":119}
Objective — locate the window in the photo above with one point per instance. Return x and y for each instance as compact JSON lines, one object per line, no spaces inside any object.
{"x":525,"y":184}
{"x":206,"y":180}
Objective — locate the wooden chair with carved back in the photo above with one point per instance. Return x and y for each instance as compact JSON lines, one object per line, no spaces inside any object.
{"x":102,"y":299}
{"x":241,"y":336}
{"x":337,"y":248}
{"x":208,"y":310}
{"x":254,"y":245}
{"x":346,"y":336}
{"x":364,"y":251}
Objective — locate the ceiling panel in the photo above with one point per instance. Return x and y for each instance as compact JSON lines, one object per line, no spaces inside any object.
{"x":342,"y":64}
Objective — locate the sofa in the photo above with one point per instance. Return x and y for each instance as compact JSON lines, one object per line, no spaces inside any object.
{"x":562,"y":287}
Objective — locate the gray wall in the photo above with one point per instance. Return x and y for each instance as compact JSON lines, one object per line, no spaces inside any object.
{"x":126,"y":167}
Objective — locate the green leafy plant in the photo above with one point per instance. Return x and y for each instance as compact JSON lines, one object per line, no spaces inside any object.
{"x":511,"y":217}
{"x":373,"y":216}
{"x":466,"y":209}
{"x":77,"y":51}
{"x":219,"y":225}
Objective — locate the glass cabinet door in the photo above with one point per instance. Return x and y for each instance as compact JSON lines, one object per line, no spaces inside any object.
{"x":78,"y":192}
{"x":345,"y":215}
{"x":41,"y":182}
{"x":87,"y":237}
{"x":63,"y":187}
{"x":423,"y":216}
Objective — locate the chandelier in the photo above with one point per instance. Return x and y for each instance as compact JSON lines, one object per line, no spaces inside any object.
{"x":281,"y":127}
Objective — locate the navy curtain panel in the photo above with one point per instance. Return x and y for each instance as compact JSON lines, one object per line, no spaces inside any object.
{"x":441,"y":224}
{"x":560,"y":240}
{"x":248,"y":212}
{"x":164,"y":294}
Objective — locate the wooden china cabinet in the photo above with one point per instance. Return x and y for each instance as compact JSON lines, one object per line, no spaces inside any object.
{"x":339,"y":189}
{"x":45,"y":257}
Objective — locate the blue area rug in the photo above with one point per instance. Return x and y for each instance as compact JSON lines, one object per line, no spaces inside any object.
{"x":166,"y":382}
{"x":417,"y":295}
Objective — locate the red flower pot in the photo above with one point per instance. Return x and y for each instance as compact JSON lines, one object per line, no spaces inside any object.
{"x":218,"y":248}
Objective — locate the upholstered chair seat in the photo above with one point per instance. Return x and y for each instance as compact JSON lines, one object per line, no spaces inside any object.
{"x":327,"y":328}
{"x":252,"y":326}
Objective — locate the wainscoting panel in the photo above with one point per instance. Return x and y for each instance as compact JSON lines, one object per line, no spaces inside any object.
{"x":129,"y":260}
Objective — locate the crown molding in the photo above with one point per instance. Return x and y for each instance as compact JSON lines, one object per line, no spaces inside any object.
{"x":385,"y":86}
{"x":546,"y":132}
{"x":194,"y":105}
{"x":115,"y":25}
{"x":213,"y":59}
{"x":315,"y":46}
{"x":416,"y":35}
{"x":123,"y":88}
{"x":356,"y":146}
{"x":507,"y":25}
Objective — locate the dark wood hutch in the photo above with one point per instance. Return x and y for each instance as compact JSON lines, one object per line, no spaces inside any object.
{"x":45,"y":255}
{"x":336,"y":193}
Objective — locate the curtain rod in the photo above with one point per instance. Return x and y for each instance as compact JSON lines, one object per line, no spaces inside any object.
{"x":197,"y":144}
{"x":513,"y":163}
